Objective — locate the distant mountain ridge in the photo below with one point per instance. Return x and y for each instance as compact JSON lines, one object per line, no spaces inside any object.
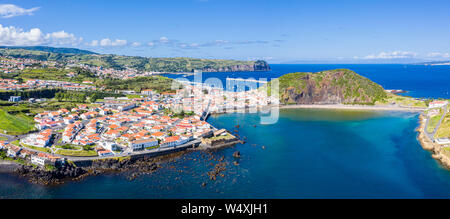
{"x":50,"y":49}
{"x":434,"y":63}
{"x":179,"y":64}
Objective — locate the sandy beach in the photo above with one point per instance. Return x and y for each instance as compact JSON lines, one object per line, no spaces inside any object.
{"x":325,"y":106}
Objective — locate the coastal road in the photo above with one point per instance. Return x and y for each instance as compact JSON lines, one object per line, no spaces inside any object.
{"x":190,"y":144}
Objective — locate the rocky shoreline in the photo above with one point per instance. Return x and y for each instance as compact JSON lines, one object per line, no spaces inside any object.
{"x":8,"y":166}
{"x":437,"y":152}
{"x":71,"y":172}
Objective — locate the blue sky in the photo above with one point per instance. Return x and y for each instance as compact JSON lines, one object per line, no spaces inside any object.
{"x":279,"y":31}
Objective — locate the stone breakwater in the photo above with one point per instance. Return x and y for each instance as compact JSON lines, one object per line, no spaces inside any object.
{"x":437,"y":151}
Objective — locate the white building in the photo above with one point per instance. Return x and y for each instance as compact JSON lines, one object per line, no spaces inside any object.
{"x":437,"y":104}
{"x":144,"y":143}
{"x":126,"y":107}
{"x":171,"y":141}
{"x":111,"y":146}
{"x":38,"y":160}
{"x":442,"y":141}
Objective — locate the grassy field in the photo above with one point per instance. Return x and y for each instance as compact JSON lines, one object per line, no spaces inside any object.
{"x":132,"y":96}
{"x":444,"y":130}
{"x":47,"y":150}
{"x":76,"y":153}
{"x":15,"y":124}
{"x":433,"y":122}
{"x":402,"y":101}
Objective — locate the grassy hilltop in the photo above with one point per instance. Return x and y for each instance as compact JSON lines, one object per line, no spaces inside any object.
{"x":340,"y":86}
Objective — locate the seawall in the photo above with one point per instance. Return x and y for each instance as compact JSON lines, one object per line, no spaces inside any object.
{"x":132,"y":157}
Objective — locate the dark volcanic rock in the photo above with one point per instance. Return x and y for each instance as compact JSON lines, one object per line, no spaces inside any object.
{"x":42,"y":176}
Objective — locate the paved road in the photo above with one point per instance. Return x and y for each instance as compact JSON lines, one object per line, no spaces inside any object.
{"x":190,"y":144}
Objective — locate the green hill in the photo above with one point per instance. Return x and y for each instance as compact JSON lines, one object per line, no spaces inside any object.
{"x":50,"y":49}
{"x":339,"y":86}
{"x":179,"y":64}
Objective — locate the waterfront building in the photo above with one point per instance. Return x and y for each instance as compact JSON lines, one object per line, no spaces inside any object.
{"x":13,"y":150}
{"x":137,"y":145}
{"x":437,"y":104}
{"x":42,"y":159}
{"x":171,"y":141}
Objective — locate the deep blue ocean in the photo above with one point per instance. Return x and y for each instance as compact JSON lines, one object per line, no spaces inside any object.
{"x":306,"y":154}
{"x":418,"y":80}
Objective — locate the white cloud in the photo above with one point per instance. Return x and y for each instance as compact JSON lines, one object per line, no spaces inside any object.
{"x":163,"y":39}
{"x":438,"y":55}
{"x":136,"y":44}
{"x":390,"y":55}
{"x":63,"y":38}
{"x":151,"y":44}
{"x":93,"y":43}
{"x":13,"y":36}
{"x":10,"y":10}
{"x":106,"y":42}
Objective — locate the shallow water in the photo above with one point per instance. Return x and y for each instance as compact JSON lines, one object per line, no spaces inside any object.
{"x":308,"y":154}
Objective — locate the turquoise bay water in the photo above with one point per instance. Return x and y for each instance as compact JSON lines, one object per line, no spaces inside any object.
{"x":308,"y":154}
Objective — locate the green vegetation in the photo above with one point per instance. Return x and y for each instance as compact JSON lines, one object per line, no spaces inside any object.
{"x":444,"y":129}
{"x":180,"y":64}
{"x":183,"y":114}
{"x":77,"y":153}
{"x":344,"y":85}
{"x":403,"y":101}
{"x":50,"y":49}
{"x":157,"y":83}
{"x":25,"y":94}
{"x":50,"y":167}
{"x":219,"y":138}
{"x":432,"y":123}
{"x":57,"y":74}
{"x":47,"y":150}
{"x":67,"y":146}
{"x":3,"y":156}
{"x":228,"y":136}
{"x":15,"y":124}
{"x":132,"y":96}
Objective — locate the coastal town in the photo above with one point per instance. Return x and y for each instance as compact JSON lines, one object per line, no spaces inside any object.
{"x":145,"y":123}
{"x":115,"y":127}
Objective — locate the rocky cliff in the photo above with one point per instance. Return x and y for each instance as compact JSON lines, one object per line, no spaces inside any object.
{"x":256,"y":66}
{"x":339,"y":86}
